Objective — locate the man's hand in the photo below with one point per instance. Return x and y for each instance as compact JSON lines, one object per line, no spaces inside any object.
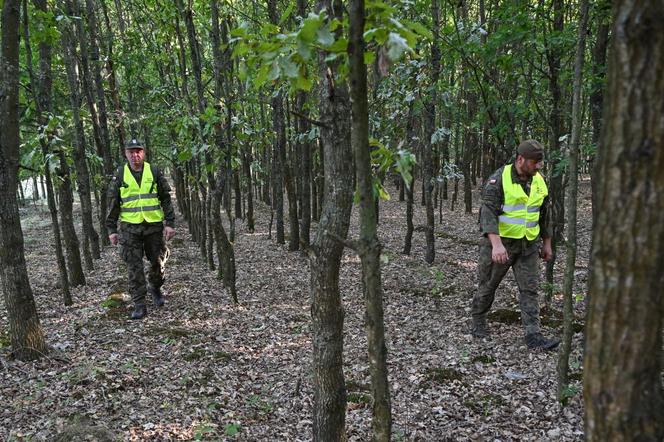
{"x":114,"y":238}
{"x":499,"y":254}
{"x":169,"y":232}
{"x":498,"y":251}
{"x":546,"y":252}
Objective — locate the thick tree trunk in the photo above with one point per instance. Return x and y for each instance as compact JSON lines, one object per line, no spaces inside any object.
{"x":369,"y":246}
{"x":25,"y":332}
{"x":623,"y":393}
{"x":329,"y":413}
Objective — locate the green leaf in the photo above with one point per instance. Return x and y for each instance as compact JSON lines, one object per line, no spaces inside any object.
{"x":261,"y":76}
{"x":231,"y":429}
{"x":340,"y":45}
{"x":304,"y":83}
{"x":185,"y":156}
{"x":290,"y":69}
{"x":324,"y":36}
{"x":309,"y":28}
{"x":275,"y":72}
{"x":287,"y":13}
{"x":369,"y":57}
{"x":419,"y":28}
{"x":304,"y":49}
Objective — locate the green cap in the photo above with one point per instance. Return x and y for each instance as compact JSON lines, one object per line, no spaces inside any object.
{"x":134,"y":144}
{"x":531,"y":150}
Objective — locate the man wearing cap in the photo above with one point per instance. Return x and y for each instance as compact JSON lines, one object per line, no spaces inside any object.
{"x":513,"y":216}
{"x":140,"y":196}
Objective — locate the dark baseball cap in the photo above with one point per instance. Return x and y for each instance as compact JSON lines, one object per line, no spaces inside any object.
{"x":531,"y":150}
{"x":134,"y":144}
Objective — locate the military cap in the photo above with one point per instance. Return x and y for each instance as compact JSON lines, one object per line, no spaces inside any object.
{"x":134,"y":144}
{"x":531,"y":150}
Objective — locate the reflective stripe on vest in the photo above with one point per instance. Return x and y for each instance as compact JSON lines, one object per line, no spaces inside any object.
{"x":140,"y":203}
{"x":520,"y":211}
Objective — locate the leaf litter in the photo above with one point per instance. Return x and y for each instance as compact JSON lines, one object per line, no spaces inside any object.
{"x":202,"y":368}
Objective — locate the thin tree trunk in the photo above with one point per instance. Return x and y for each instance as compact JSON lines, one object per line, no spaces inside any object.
{"x":410,"y":228}
{"x":42,"y":90}
{"x":570,"y":210}
{"x":369,"y":246}
{"x":556,"y":190}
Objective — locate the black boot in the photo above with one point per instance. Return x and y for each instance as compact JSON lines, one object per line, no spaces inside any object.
{"x":139,"y":311}
{"x":478,"y":328}
{"x":537,"y":341}
{"x":157,"y":296}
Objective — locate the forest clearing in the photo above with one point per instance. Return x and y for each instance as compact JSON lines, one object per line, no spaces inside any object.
{"x":203,"y":369}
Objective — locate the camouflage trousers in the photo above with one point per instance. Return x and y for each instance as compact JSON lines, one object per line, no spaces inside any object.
{"x":136,"y":241}
{"x":524,"y":261}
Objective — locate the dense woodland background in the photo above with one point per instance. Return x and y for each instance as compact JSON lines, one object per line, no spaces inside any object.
{"x":283,"y":125}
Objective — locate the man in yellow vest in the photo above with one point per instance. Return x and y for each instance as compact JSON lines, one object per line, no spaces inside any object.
{"x":140,"y":196}
{"x":513,"y":216}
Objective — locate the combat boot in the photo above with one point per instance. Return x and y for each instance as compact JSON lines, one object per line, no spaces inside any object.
{"x":537,"y":341}
{"x":478,"y":328}
{"x":157,"y":296}
{"x":139,"y":311}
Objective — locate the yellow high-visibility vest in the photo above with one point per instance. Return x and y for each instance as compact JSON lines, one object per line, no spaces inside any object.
{"x":140,"y":203}
{"x":520,"y":211}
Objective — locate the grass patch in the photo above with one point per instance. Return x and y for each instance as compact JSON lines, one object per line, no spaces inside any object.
{"x":359,"y":398}
{"x":444,"y":375}
{"x":169,"y":332}
{"x":4,"y":339}
{"x":558,"y":323}
{"x":484,"y":359}
{"x":222,"y":356}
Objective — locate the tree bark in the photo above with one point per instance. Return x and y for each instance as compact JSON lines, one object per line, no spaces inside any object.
{"x":41,"y":89}
{"x":623,"y":394}
{"x":25,"y":331}
{"x":369,"y":246}
{"x":329,"y":413}
{"x":570,"y":210}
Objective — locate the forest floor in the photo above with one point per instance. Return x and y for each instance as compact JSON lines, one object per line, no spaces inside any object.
{"x":202,"y":368}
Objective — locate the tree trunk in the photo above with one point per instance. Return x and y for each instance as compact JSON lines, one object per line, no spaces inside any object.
{"x":369,"y":246}
{"x":410,"y":133}
{"x":623,"y":394}
{"x":570,"y":210}
{"x":104,"y":149}
{"x":556,"y":190}
{"x":90,"y":237}
{"x":41,"y":88}
{"x":329,"y":413}
{"x":25,"y":331}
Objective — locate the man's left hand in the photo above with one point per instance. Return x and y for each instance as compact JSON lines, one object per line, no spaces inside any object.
{"x":169,"y":232}
{"x":546,"y":252}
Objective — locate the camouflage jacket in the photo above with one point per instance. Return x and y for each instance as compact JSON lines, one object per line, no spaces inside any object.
{"x":163,"y":190}
{"x":492,"y":201}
